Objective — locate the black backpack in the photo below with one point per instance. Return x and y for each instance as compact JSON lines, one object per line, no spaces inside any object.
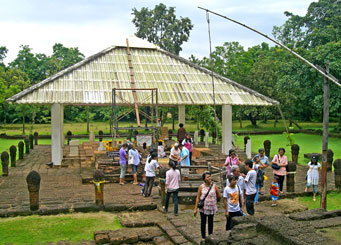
{"x":260,"y":177}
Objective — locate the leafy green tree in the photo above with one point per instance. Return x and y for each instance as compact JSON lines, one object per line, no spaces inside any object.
{"x":320,"y":25}
{"x":3,"y":53}
{"x":317,"y":37}
{"x":161,"y":26}
{"x":34,"y":65}
{"x":12,"y":81}
{"x":63,"y":57}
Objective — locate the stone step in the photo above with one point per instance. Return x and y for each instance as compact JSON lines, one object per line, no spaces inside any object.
{"x":187,"y":198}
{"x":189,"y":186}
{"x":113,"y":178}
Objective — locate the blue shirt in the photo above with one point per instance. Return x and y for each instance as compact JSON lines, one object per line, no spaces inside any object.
{"x":185,"y":152}
{"x":264,"y":160}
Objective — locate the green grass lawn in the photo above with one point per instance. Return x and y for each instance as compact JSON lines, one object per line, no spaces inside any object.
{"x":80,"y":128}
{"x":308,"y":144}
{"x":67,"y":227}
{"x":333,"y":201}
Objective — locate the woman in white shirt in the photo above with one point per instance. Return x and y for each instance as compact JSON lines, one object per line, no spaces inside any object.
{"x":151,"y":166}
{"x":313,"y":175}
{"x":135,"y":157}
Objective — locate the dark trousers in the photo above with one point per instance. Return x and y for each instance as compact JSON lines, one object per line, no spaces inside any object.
{"x":148,"y":186}
{"x":229,"y":219}
{"x":203,"y":218}
{"x":250,"y":199}
{"x":280,"y":181}
{"x":190,"y":158}
{"x":175,"y":200}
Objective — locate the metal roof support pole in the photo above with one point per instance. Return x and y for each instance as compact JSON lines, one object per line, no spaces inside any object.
{"x":57,"y":134}
{"x":226,"y":128}
{"x":114,"y":122}
{"x":152,"y":119}
{"x":157,"y":118}
{"x":116,"y":116}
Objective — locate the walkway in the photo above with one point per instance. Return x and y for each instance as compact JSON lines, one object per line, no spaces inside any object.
{"x":61,"y":188}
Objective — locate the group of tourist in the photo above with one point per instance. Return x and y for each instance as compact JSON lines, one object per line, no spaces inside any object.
{"x":181,"y":154}
{"x":241,"y":192}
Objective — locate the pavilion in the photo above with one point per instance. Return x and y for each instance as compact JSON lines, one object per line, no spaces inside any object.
{"x":179,"y":83}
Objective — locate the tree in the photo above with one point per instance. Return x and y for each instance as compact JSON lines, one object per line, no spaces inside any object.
{"x":320,"y":25}
{"x":160,"y":26}
{"x":12,"y":81}
{"x":317,"y":36}
{"x":63,"y":58}
{"x":3,"y":53}
{"x":34,"y":65}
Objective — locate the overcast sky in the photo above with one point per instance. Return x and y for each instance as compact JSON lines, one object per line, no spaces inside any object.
{"x":93,"y":25}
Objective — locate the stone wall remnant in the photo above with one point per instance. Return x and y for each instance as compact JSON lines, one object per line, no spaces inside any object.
{"x":100,"y":135}
{"x":291,"y":171}
{"x":330,"y":155}
{"x":33,"y":185}
{"x":13,"y":153}
{"x":267,"y":147}
{"x":30,"y":138}
{"x":4,"y":162}
{"x":36,"y":137}
{"x":68,"y":136}
{"x":337,"y":172}
{"x":27,"y":145}
{"x":21,"y":150}
{"x":295,"y":150}
{"x":98,"y":182}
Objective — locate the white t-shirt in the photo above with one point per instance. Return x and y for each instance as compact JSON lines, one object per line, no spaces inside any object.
{"x":232,"y":198}
{"x":150,"y":168}
{"x":175,"y":153}
{"x":240,"y":183}
{"x":250,"y":184}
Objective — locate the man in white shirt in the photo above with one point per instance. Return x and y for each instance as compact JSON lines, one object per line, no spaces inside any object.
{"x":231,"y":201}
{"x":175,"y":153}
{"x":240,"y":182}
{"x":250,"y":183}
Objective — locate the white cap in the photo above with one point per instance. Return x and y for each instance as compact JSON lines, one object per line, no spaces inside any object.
{"x":176,"y":144}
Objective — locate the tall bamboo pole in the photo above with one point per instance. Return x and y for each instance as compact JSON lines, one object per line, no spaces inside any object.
{"x":326,"y":95}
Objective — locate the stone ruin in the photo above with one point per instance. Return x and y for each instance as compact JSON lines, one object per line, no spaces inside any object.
{"x":299,"y":228}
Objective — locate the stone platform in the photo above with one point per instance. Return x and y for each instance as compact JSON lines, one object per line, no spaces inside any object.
{"x":61,"y":187}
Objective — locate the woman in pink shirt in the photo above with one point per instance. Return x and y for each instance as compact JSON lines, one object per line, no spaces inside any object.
{"x":188,"y":143}
{"x":172,"y":186}
{"x":231,"y":160}
{"x":282,"y":162}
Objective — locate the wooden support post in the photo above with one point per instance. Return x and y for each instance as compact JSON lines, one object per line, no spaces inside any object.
{"x":323,"y":203}
{"x":209,"y":167}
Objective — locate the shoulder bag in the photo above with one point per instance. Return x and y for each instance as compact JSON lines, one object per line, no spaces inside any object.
{"x":201,"y":203}
{"x":239,"y":199}
{"x":131,"y":159}
{"x":275,"y":166}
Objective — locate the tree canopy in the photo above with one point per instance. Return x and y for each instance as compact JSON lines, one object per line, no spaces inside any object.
{"x":161,"y":26}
